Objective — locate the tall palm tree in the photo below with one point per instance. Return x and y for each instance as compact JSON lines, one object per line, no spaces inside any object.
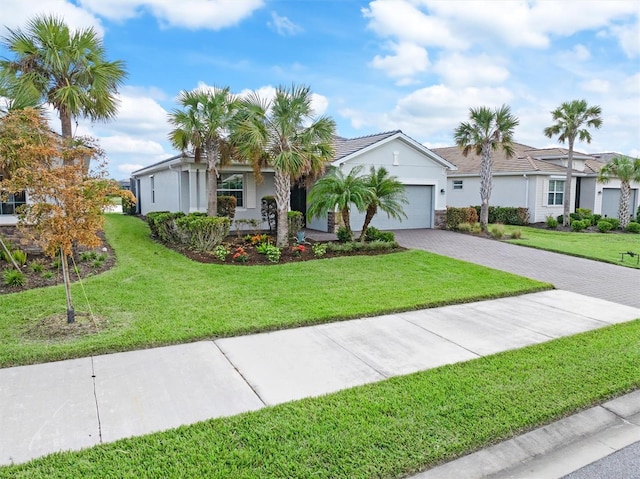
{"x":488,"y":131}
{"x":337,"y":190}
{"x":626,"y":170}
{"x":283,"y":133}
{"x":388,"y":196}
{"x":203,"y":125}
{"x":67,"y":69}
{"x":571,"y":121}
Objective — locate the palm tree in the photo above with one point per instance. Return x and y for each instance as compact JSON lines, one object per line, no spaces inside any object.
{"x":570,"y":118}
{"x":487,"y":131}
{"x":388,"y":196}
{"x":66,"y":69}
{"x":626,"y":170}
{"x":282,"y":133}
{"x":337,"y":190}
{"x":203,"y":125}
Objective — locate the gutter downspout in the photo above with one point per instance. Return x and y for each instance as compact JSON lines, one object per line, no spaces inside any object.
{"x":526,"y":192}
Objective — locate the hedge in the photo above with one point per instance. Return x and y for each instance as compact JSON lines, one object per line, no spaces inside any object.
{"x":455,"y":216}
{"x":507,"y":215}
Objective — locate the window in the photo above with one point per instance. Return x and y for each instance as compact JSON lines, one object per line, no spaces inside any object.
{"x":153,"y":189}
{"x":232,"y":184}
{"x":556,"y":192}
{"x":13,"y":201}
{"x":457,"y":184}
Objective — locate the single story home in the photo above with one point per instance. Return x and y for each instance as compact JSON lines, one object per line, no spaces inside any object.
{"x":534,"y":178}
{"x":179,"y":183}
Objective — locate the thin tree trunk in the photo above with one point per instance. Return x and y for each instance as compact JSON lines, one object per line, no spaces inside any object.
{"x":9,"y":255}
{"x":566,"y":215}
{"x":283,"y":196}
{"x":347,"y":222}
{"x":71,"y":314}
{"x":213,"y":160}
{"x":371,"y":211}
{"x":485,"y":185}
{"x":623,"y":206}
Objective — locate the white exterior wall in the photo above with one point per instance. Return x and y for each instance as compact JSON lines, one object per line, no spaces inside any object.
{"x":166,"y":192}
{"x":253,"y":193}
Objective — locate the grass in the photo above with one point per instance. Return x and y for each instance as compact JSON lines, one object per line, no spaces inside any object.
{"x":155,"y":296}
{"x":604,"y":247}
{"x":387,"y":429}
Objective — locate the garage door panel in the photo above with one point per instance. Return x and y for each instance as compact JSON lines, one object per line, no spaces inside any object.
{"x":419,"y":212}
{"x":611,"y":200}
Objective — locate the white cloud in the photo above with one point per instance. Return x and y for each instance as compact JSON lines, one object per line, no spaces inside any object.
{"x":408,"y":60}
{"x":628,"y":38}
{"x":596,"y":85}
{"x":21,"y":12}
{"x":319,"y":104}
{"x":191,"y":14}
{"x":128,"y":168}
{"x":581,"y":52}
{"x":459,"y":70}
{"x":283,"y":25}
{"x":128,"y":144}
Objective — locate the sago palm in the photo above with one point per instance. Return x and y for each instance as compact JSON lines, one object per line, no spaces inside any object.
{"x":337,"y":190}
{"x":283,"y":133}
{"x":487,"y":131}
{"x":388,"y":195}
{"x":626,"y":170}
{"x":67,"y":69}
{"x":203,"y":125}
{"x":572,"y":120}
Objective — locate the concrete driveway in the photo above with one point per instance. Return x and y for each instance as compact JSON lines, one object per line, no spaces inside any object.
{"x":591,"y":278}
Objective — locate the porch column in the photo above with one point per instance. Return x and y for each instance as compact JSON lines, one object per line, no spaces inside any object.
{"x":193,"y":190}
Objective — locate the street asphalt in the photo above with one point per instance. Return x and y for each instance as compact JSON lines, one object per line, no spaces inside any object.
{"x":99,"y":399}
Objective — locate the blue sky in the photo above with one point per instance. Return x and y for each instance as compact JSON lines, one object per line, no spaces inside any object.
{"x":414,"y":65}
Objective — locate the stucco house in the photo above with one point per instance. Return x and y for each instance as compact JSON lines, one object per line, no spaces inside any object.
{"x":179,"y":183}
{"x":534,"y":178}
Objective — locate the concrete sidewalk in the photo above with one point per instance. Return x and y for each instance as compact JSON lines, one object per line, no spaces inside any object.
{"x":83,"y":402}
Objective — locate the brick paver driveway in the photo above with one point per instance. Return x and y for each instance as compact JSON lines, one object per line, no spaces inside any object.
{"x":583,"y":276}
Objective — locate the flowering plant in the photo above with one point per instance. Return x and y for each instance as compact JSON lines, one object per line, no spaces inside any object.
{"x":240,"y":255}
{"x":298,"y":249}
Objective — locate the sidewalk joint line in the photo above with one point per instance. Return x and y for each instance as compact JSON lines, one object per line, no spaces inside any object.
{"x":240,"y":373}
{"x":95,"y":397}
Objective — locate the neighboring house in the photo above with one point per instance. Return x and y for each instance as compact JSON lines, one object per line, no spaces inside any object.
{"x":179,"y":183}
{"x":534,"y":179}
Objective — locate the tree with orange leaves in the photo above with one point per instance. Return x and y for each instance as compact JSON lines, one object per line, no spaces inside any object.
{"x":66,"y":201}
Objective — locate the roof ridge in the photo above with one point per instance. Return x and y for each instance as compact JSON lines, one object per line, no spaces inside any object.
{"x":390,"y":132}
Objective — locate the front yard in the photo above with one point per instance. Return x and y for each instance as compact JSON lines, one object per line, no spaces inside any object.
{"x":154,"y":296}
{"x":605,"y":247}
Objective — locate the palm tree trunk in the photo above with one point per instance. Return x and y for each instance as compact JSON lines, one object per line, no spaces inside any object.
{"x":347,"y":222}
{"x":283,"y":196}
{"x":566,"y":215}
{"x":623,"y":206}
{"x":485,"y":185}
{"x":371,"y":211}
{"x":65,"y":122}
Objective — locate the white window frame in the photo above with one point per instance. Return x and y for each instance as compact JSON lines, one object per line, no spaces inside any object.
{"x":238,"y":193}
{"x":555,"y":192}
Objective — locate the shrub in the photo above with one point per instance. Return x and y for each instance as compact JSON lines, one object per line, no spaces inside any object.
{"x":221,"y":252}
{"x":633,"y":227}
{"x":269,"y":212}
{"x":202,"y":233}
{"x":381,"y":245}
{"x":552,"y":223}
{"x":98,"y":262}
{"x":88,"y":256}
{"x":227,"y":206}
{"x":13,"y":277}
{"x":615,"y":222}
{"x":240,"y":255}
{"x":298,"y":249}
{"x":579,"y":225}
{"x":507,"y":215}
{"x":455,"y":216}
{"x":560,"y":219}
{"x":343,"y":247}
{"x":163,"y":226}
{"x":254,"y":223}
{"x":476,"y":228}
{"x":516,"y":234}
{"x":36,"y":266}
{"x":465,"y":227}
{"x":583,"y":214}
{"x":638,"y":215}
{"x":604,"y":226}
{"x":497,"y":231}
{"x":374,"y":234}
{"x":343,"y":235}
{"x":595,"y":219}
{"x":47,"y":274}
{"x":19,"y":256}
{"x":319,"y":249}
{"x":296,"y":222}
{"x":272,"y":252}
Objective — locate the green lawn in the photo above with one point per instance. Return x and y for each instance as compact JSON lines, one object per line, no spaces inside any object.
{"x":599,"y":246}
{"x":385,"y":430}
{"x":154,"y":296}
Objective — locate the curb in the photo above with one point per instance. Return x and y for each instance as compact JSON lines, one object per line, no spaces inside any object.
{"x":554,"y":450}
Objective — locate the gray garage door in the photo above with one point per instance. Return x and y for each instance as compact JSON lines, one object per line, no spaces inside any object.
{"x":611,"y":199}
{"x":419,"y":211}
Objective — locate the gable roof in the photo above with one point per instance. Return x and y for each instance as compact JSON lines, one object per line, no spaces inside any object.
{"x":526,"y":159}
{"x":348,"y":148}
